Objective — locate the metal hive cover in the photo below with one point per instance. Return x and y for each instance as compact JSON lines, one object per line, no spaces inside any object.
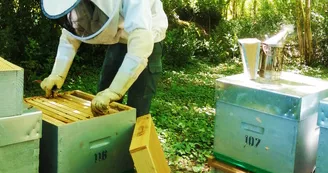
{"x":293,"y":96}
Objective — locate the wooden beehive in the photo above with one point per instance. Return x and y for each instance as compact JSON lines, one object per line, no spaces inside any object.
{"x":11,"y":88}
{"x":146,"y":150}
{"x":75,"y":141}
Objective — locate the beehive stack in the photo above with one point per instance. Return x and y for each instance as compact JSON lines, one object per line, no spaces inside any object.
{"x":11,"y":89}
{"x":75,"y":141}
{"x":322,"y":160}
{"x":20,"y":127}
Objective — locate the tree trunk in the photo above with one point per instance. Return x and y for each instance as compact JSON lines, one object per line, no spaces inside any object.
{"x":299,"y":26}
{"x":235,"y":9}
{"x":308,"y":33}
{"x":254,"y":8}
{"x":226,"y":8}
{"x":242,"y":10}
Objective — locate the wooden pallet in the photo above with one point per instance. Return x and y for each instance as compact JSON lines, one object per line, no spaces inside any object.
{"x":220,"y":167}
{"x":68,"y":107}
{"x":145,"y":148}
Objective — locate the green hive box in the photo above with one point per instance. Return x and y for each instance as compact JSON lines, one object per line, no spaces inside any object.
{"x":75,"y":142}
{"x":19,"y":142}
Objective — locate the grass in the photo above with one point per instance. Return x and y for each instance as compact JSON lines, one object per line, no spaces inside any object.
{"x":183,"y":109}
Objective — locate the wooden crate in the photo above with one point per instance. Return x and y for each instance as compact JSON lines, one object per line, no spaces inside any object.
{"x":146,"y":149}
{"x":11,"y":88}
{"x":76,"y":142}
{"x":19,"y":142}
{"x":221,"y":167}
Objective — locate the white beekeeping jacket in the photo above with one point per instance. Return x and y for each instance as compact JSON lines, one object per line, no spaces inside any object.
{"x":139,"y":23}
{"x":119,"y":24}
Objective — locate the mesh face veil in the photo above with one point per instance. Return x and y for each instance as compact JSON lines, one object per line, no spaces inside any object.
{"x":83,"y":20}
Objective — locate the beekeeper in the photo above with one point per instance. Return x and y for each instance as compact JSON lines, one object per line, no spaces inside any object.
{"x":133,"y":29}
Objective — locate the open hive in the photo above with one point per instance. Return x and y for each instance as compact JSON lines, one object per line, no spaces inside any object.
{"x":69,"y":107}
{"x":75,"y":141}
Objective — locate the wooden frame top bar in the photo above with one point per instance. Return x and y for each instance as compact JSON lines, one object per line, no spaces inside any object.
{"x":69,"y":107}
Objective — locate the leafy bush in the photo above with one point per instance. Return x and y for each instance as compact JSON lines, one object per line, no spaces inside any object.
{"x":320,"y":38}
{"x":223,"y":44}
{"x":26,"y":34}
{"x":180,"y":45}
{"x":205,"y":14}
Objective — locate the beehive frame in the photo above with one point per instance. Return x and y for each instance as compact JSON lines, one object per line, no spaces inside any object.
{"x":145,"y":148}
{"x":69,"y":107}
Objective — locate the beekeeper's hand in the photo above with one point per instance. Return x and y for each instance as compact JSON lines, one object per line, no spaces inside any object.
{"x":65,"y":54}
{"x":100,"y":104}
{"x":52,"y":82}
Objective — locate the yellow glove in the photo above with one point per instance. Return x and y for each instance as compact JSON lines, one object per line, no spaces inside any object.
{"x":51,"y":82}
{"x":100,"y":104}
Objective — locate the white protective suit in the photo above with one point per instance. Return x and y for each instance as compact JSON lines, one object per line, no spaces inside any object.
{"x":139,"y":23}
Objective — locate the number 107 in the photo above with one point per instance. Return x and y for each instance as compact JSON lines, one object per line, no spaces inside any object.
{"x":251,"y":141}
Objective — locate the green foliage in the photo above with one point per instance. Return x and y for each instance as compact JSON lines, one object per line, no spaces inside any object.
{"x":219,"y":43}
{"x":206,"y":14}
{"x":223,"y":46}
{"x":184,"y":110}
{"x":180,"y":46}
{"x":22,"y":25}
{"x":185,"y":43}
{"x":320,"y":37}
{"x":283,"y":9}
{"x":27,"y":38}
{"x":268,"y":21}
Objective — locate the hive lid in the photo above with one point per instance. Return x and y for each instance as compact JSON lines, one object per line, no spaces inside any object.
{"x":8,"y":66}
{"x":294,"y":96}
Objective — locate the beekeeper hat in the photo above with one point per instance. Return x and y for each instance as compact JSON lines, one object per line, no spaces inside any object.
{"x":54,"y":9}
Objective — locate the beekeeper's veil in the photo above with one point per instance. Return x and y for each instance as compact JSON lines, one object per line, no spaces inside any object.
{"x":82,"y":18}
